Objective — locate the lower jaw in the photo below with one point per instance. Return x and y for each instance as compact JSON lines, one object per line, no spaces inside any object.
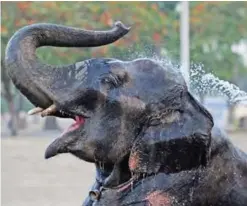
{"x":83,"y":156}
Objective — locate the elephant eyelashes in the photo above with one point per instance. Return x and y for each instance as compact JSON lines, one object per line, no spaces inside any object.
{"x":111,"y":81}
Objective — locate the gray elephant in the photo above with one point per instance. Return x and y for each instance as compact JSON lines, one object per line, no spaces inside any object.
{"x":150,"y":140}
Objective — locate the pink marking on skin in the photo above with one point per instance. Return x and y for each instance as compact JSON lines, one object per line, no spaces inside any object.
{"x":133,"y":161}
{"x":158,"y":198}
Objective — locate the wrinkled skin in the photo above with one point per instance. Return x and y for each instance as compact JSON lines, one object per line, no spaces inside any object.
{"x":133,"y":119}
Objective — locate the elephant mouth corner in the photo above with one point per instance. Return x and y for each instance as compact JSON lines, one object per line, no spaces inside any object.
{"x":79,"y":121}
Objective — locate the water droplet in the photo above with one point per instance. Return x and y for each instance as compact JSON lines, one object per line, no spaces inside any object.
{"x":191,"y":193}
{"x":132,"y":185}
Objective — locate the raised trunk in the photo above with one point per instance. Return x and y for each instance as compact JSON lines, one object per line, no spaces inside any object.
{"x":37,"y":81}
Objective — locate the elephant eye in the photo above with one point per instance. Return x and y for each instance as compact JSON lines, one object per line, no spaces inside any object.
{"x":110,"y":81}
{"x":106,"y":80}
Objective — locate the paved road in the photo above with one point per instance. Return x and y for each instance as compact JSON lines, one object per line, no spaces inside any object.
{"x":28,"y":179}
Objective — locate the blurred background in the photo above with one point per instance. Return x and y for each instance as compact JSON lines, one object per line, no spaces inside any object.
{"x":207,"y":37}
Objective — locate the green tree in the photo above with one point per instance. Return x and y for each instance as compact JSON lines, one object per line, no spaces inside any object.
{"x":214,"y":28}
{"x":149,"y":24}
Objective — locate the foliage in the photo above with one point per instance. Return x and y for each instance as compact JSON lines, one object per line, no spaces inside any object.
{"x":148,"y":23}
{"x":214,"y":28}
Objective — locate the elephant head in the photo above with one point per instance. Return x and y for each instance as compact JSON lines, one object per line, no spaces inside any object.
{"x":136,"y":109}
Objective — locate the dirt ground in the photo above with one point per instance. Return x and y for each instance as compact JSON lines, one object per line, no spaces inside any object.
{"x":28,"y":179}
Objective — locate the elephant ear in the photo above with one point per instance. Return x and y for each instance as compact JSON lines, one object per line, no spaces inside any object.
{"x":179,"y":141}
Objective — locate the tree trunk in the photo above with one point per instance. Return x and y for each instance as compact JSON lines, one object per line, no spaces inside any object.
{"x":12,"y":125}
{"x":7,"y":93}
{"x":20,"y":102}
{"x":21,"y":118}
{"x":51,"y":124}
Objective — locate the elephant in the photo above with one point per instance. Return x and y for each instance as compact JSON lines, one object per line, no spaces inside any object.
{"x":152,"y":142}
{"x":222,"y":182}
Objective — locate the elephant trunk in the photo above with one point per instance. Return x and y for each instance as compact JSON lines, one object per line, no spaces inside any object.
{"x":36,"y":79}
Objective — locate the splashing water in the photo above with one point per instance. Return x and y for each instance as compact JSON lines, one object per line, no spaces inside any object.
{"x":207,"y":83}
{"x":200,"y":81}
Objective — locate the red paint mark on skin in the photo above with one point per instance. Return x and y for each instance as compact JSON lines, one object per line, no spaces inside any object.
{"x":133,"y":161}
{"x":157,"y":198}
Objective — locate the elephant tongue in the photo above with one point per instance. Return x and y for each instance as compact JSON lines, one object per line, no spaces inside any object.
{"x":78,"y":122}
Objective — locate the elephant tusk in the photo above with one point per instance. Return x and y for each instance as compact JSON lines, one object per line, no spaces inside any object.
{"x":49,"y":111}
{"x":35,"y":111}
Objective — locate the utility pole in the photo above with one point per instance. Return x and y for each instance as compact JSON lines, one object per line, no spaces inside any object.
{"x":185,"y":40}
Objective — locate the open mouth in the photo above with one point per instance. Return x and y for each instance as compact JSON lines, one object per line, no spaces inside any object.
{"x":78,"y":118}
{"x":79,"y":121}
{"x":68,"y":137}
{"x":53,"y":111}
